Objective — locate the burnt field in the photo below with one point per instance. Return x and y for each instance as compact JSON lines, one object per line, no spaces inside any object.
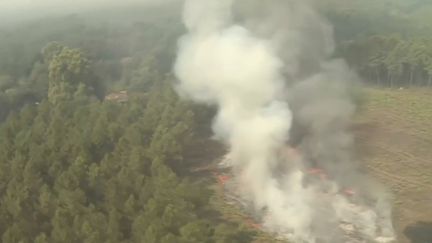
{"x":394,"y":139}
{"x":394,"y":132}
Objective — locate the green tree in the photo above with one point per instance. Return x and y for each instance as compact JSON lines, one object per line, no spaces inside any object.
{"x":67,"y":70}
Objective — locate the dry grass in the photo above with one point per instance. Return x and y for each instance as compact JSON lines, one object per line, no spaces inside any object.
{"x":396,"y":141}
{"x":394,"y":134}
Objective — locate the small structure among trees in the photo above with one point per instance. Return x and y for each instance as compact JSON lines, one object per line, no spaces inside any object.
{"x":120,"y":97}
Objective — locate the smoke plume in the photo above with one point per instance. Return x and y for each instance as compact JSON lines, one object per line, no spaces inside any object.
{"x":284,"y":109}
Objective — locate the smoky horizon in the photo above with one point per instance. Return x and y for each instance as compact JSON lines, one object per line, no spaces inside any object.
{"x":215,"y":121}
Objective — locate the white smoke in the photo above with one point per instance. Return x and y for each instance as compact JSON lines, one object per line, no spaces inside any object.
{"x":254,"y":64}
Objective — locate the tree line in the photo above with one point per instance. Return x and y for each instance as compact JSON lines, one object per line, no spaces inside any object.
{"x":390,"y":60}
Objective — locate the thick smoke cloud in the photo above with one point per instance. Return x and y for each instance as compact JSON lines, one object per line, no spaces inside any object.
{"x":268,"y":66}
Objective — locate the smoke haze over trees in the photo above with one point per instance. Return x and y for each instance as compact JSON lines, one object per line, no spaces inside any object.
{"x":77,"y":167}
{"x":387,"y":42}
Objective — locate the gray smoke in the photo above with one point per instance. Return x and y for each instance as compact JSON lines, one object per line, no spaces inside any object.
{"x":268,"y":66}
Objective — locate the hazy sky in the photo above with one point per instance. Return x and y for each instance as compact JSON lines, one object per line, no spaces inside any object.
{"x":21,"y":4}
{"x":28,"y":8}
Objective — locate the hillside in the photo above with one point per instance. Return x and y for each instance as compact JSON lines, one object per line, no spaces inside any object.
{"x":396,"y":135}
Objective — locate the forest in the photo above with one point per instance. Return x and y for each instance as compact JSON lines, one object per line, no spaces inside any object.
{"x":391,"y":61}
{"x":389,"y":45}
{"x":78,"y":167}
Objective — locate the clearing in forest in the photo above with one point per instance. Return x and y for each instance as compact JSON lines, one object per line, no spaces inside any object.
{"x":395,"y":137}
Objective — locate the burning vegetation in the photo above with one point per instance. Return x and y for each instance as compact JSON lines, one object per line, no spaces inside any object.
{"x":268,"y":67}
{"x":350,"y":231}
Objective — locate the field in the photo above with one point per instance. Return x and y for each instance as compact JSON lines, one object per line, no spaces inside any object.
{"x":394,"y":131}
{"x":394,"y":139}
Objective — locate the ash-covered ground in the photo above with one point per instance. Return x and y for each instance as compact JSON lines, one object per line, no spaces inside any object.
{"x":350,"y":229}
